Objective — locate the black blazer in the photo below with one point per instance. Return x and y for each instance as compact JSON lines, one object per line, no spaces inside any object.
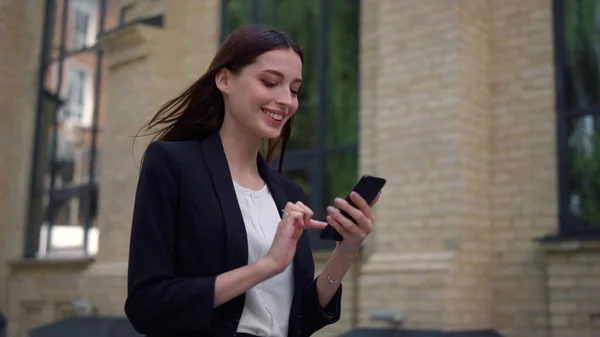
{"x":187,"y":229}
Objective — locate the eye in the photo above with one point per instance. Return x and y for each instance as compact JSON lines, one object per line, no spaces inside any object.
{"x":294,"y":93}
{"x":269,"y":84}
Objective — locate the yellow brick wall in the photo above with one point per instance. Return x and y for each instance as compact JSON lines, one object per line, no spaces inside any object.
{"x":523,"y":162}
{"x":40,"y":293}
{"x":458,"y":112}
{"x":425,"y":125}
{"x":20,"y":38}
{"x":573,"y":283}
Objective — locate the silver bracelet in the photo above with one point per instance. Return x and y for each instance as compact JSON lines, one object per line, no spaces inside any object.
{"x":332,"y":281}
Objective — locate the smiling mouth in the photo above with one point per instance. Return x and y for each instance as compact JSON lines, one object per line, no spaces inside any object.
{"x":277,"y":117}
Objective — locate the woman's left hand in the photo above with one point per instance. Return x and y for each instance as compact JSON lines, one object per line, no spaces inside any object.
{"x":353,"y":233}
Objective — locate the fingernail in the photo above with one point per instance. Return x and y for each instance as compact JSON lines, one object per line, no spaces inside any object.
{"x":339,"y":200}
{"x":330,"y":209}
{"x":354,"y":194}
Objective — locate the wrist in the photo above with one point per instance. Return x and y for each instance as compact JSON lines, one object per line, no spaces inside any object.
{"x":349,"y":249}
{"x":266,"y":268}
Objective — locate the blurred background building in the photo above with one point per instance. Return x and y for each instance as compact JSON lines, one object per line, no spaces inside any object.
{"x":481,"y":114}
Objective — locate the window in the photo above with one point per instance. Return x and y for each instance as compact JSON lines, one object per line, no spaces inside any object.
{"x":79,"y":100}
{"x":63,"y":196}
{"x":322,"y":155}
{"x":577,"y":54}
{"x":83,"y":28}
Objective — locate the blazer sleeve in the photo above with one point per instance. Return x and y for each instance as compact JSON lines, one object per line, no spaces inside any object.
{"x":313,"y":316}
{"x":157,"y":301}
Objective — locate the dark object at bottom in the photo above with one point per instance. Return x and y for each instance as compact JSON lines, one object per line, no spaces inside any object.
{"x":2,"y":325}
{"x":391,"y":332}
{"x":94,"y":326}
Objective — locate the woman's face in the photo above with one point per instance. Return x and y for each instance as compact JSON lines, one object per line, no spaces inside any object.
{"x":263,"y":96}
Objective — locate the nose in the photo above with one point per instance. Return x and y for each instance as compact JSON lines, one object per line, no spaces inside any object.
{"x":284,"y":99}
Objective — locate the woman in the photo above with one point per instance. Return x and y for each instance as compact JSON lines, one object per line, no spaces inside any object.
{"x":218,"y":242}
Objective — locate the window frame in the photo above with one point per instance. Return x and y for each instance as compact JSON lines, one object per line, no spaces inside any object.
{"x":42,"y":199}
{"x":569,"y":226}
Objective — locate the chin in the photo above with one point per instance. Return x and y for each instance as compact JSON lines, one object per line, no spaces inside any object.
{"x":268,"y":131}
{"x":270,"y":134}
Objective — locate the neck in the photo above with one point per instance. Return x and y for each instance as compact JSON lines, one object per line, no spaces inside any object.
{"x":241,"y":149}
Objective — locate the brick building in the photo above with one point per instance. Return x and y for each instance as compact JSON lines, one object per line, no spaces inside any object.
{"x":480,"y":113}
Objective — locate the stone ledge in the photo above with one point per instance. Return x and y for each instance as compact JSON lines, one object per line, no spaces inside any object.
{"x":553,"y":243}
{"x":401,"y":332}
{"x":118,"y":269}
{"x":52,"y":261}
{"x":131,"y":41}
{"x":409,"y":262}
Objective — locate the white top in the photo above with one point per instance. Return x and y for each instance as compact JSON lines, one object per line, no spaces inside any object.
{"x":268,"y":304}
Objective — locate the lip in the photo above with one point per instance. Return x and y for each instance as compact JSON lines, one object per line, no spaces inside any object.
{"x":273,"y":121}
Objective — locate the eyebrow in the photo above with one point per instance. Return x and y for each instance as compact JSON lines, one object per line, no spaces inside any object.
{"x":279,"y":74}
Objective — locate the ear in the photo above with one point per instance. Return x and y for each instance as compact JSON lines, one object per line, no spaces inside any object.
{"x":223,"y":80}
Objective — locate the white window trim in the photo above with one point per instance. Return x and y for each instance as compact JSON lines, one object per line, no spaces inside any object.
{"x":87,"y":110}
{"x":88,"y":7}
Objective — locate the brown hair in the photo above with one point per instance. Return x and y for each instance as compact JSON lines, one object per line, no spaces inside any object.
{"x":199,"y":111}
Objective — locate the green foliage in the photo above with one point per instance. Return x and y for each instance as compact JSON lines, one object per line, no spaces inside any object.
{"x":582,"y":53}
{"x":342,"y":96}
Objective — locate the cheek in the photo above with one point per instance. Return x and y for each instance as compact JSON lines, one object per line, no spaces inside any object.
{"x":294,"y":106}
{"x":261,"y":95}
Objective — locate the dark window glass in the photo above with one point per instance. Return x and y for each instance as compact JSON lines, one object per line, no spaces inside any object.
{"x":582,"y":54}
{"x":578,"y":60}
{"x":584,"y":165}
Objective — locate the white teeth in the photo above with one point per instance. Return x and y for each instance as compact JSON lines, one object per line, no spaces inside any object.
{"x":274,"y":116}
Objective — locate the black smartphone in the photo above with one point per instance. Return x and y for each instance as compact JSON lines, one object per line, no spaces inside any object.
{"x":367,"y":187}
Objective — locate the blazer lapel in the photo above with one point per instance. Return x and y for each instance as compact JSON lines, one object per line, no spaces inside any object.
{"x":303,"y":255}
{"x":277,"y":191}
{"x":236,"y":244}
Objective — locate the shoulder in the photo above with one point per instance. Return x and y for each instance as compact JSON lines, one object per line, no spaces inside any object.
{"x":172,"y":149}
{"x":165,"y":155}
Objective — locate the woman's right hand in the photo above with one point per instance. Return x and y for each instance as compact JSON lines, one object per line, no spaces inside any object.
{"x":296,"y":218}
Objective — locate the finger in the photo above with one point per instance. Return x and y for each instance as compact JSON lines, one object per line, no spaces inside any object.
{"x":315,"y":224}
{"x":375,"y":200}
{"x":360,"y":217}
{"x":337,"y":226}
{"x":297,"y":219}
{"x":361,"y":204}
{"x":289,"y":209}
{"x":291,"y":215}
{"x":308,"y":213}
{"x":346,"y":223}
{"x":289,"y":206}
